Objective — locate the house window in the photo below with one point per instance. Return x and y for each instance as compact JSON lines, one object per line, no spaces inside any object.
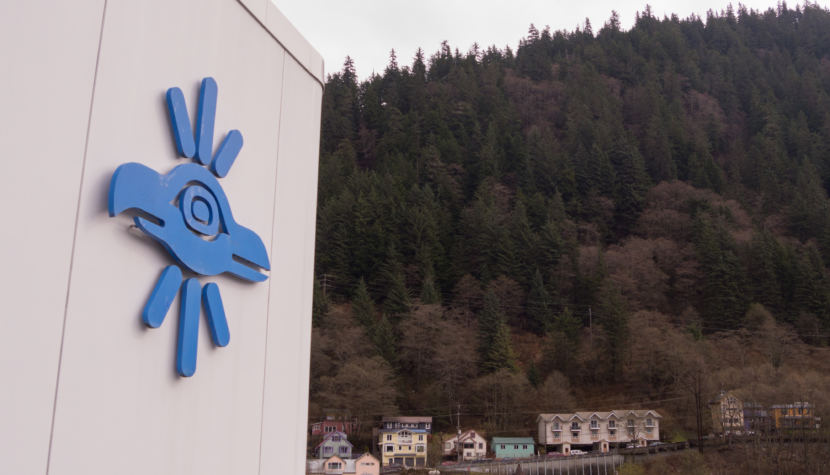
{"x":649,"y":422}
{"x":390,"y":448}
{"x":556,"y":426}
{"x":335,"y":438}
{"x":327,"y":450}
{"x":516,"y":447}
{"x":574,"y":425}
{"x":594,"y":424}
{"x":420,"y":437}
{"x":344,"y":450}
{"x":612,"y":431}
{"x":419,"y":448}
{"x":334,"y":465}
{"x":480,"y":445}
{"x":389,"y":437}
{"x":631,"y":423}
{"x":502,"y":446}
{"x":612,"y":424}
{"x":524,"y":447}
{"x":575,"y":435}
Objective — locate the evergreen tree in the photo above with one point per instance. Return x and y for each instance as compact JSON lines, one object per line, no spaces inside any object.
{"x":499,"y":354}
{"x":363,"y":308}
{"x":723,"y":300}
{"x":533,"y":375}
{"x":397,"y":297}
{"x":383,"y":337}
{"x":429,"y":291}
{"x":614,"y":319}
{"x":489,"y":319}
{"x":319,"y":305}
{"x":538,"y":305}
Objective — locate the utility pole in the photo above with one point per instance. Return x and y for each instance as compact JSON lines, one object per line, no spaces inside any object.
{"x":458,"y":447}
{"x":590,"y":329}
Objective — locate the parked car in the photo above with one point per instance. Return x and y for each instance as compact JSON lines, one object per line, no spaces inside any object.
{"x":629,"y":446}
{"x":657,"y":443}
{"x":577,"y":452}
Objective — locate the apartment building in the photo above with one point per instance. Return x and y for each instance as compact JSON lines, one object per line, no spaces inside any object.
{"x":598,"y":430}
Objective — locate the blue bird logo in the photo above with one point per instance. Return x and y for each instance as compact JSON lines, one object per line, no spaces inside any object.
{"x":187,"y":211}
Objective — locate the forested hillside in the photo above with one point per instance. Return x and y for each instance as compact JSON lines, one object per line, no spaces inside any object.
{"x":601,"y":218}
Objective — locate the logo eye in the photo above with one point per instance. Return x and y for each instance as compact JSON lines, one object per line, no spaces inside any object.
{"x":200,"y":210}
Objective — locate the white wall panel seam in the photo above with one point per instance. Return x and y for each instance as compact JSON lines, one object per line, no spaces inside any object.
{"x":271,"y":280}
{"x":303,"y":385}
{"x":75,"y":237}
{"x":273,"y":34}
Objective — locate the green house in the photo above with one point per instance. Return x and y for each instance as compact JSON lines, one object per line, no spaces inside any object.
{"x":512,"y":447}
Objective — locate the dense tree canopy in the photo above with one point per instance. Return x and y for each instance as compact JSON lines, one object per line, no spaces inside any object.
{"x":487,"y":211}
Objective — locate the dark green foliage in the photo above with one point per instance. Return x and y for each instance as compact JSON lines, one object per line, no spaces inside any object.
{"x":613,"y":316}
{"x":489,"y":320}
{"x":533,"y":375}
{"x":363,"y":308}
{"x":538,"y":305}
{"x":429,"y":291}
{"x":499,"y":353}
{"x":723,"y":299}
{"x":383,"y":337}
{"x":397,"y":297}
{"x":319,"y":305}
{"x":691,"y":154}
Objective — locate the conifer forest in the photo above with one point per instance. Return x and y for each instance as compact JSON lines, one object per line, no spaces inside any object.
{"x":601,"y":218}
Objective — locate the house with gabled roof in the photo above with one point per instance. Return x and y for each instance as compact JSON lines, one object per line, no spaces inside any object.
{"x":334,"y":443}
{"x":366,"y":464}
{"x":513,"y":447}
{"x":403,"y":441}
{"x":471,"y":444}
{"x":598,"y":430}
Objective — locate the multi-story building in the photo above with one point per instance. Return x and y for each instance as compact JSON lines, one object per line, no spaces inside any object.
{"x":470,"y":444}
{"x":795,"y":416}
{"x":513,"y":447}
{"x":727,"y":414}
{"x":598,"y":430}
{"x":403,"y":440}
{"x":756,"y":419}
{"x":334,"y":443}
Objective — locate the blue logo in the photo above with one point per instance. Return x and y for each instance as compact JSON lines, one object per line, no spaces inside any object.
{"x":187,"y":211}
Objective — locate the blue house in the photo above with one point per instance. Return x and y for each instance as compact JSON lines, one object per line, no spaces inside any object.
{"x":512,"y":447}
{"x":334,"y":443}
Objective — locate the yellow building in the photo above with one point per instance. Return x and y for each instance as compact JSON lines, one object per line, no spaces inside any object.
{"x":798,"y":415}
{"x":403,"y":441}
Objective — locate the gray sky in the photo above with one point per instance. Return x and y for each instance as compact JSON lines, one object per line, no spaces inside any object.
{"x":367,"y":29}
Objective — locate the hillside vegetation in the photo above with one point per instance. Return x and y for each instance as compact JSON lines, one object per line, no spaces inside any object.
{"x":597,"y":220}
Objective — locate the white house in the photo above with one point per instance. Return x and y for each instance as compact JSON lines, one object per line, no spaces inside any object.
{"x":599,"y":430}
{"x":473,"y":445}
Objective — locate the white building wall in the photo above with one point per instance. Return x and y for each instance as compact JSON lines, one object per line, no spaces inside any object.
{"x":87,"y":387}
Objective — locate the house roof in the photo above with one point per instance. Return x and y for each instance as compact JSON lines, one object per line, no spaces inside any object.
{"x":349,"y":465}
{"x":384,"y":430}
{"x":513,"y":440}
{"x":327,"y":437}
{"x":408,"y":419}
{"x":469,"y":434}
{"x":583,"y":416}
